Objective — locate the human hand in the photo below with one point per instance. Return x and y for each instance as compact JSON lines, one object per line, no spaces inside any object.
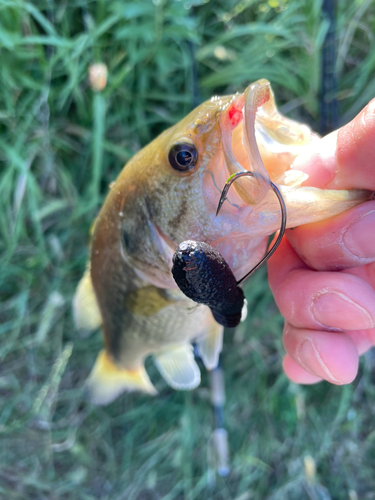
{"x":323,"y":274}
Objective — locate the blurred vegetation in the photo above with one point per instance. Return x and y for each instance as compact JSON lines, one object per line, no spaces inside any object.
{"x":60,"y":146}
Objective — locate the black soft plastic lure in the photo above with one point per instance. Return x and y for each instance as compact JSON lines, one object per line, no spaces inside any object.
{"x":203,"y":275}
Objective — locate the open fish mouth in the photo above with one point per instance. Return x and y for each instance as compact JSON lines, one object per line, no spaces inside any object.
{"x":243,"y":109}
{"x":256,"y":137}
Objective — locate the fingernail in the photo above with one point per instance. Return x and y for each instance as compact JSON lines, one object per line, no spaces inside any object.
{"x":311,"y":360}
{"x":359,"y":238}
{"x":336,"y":310}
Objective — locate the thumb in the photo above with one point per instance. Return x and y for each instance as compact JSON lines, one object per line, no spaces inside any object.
{"x":344,"y":159}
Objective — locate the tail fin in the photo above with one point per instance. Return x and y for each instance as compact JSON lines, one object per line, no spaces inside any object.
{"x":85,"y":307}
{"x":107,"y":381}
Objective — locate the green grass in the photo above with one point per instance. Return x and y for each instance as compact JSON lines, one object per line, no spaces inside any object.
{"x":60,"y":147}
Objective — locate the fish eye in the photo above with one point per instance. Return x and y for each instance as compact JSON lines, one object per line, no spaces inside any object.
{"x":183,"y":157}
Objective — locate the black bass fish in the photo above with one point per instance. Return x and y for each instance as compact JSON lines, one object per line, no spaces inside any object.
{"x":168,"y":193}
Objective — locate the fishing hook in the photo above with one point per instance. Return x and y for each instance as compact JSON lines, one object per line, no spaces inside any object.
{"x":223,"y":197}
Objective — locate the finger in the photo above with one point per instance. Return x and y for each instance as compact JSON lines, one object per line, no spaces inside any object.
{"x":366,"y":273}
{"x":283,"y":262}
{"x":330,"y":356}
{"x":319,"y":300}
{"x":344,"y":159}
{"x":296,"y":373}
{"x":363,"y":339}
{"x":342,"y":242}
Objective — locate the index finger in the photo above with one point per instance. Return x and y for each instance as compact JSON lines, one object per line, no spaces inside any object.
{"x":344,"y":159}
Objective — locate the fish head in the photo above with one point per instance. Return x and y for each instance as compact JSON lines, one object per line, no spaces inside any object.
{"x":170,"y":190}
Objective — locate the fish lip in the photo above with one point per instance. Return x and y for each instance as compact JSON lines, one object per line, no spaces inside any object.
{"x":244,"y":110}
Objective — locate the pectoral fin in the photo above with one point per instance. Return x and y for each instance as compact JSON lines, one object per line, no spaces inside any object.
{"x":85,"y":307}
{"x":210,"y":346}
{"x":178,"y":368}
{"x":107,"y":381}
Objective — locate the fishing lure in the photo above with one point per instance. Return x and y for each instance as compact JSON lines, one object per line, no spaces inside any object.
{"x":204,"y":276}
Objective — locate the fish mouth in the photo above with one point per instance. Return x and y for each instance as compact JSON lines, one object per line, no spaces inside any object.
{"x":239,"y":153}
{"x":256,"y":137}
{"x":243,"y":110}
